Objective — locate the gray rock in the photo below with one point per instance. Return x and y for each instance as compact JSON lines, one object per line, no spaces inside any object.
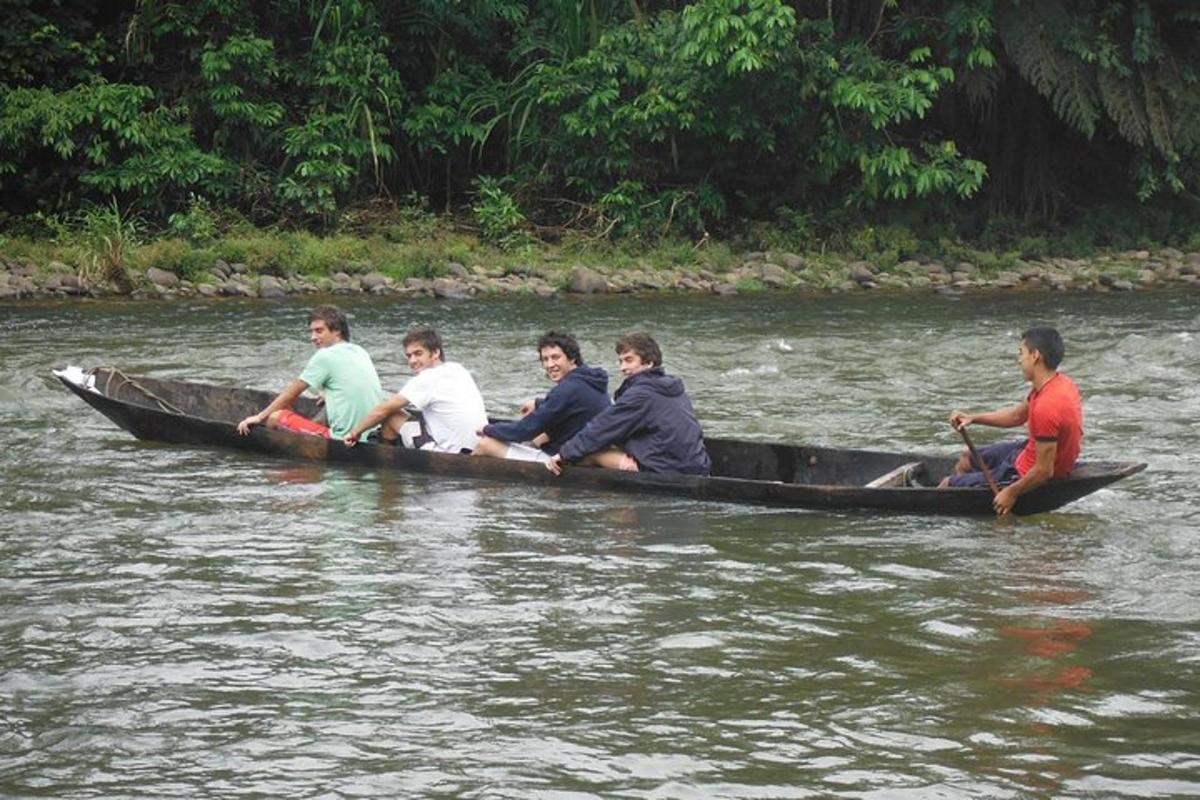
{"x":544,"y":290}
{"x":861,"y":273}
{"x":757,"y":255}
{"x":375,"y":280}
{"x":586,"y":281}
{"x":27,"y":269}
{"x":160,"y":277}
{"x":724,"y":289}
{"x":270,"y":287}
{"x":207,"y":290}
{"x":1122,"y":286}
{"x":458,"y":270}
{"x":791,"y":261}
{"x":774,"y":275}
{"x":239,"y":268}
{"x":450,"y":289}
{"x":966,"y":267}
{"x":232,"y":288}
{"x":418,"y":284}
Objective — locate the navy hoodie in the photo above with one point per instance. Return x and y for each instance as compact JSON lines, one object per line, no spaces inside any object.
{"x":562,"y":413}
{"x":652,"y":419}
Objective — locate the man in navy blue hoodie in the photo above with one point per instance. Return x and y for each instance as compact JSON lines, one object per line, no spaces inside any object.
{"x":650,"y":426}
{"x":580,"y":393}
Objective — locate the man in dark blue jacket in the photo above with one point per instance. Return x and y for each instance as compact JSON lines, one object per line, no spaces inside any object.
{"x":650,"y":426}
{"x":580,"y":393}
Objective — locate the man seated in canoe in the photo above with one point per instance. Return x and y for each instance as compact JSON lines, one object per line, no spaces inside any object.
{"x":1054,"y":414}
{"x":443,"y":391}
{"x":580,"y":392}
{"x":341,"y":371}
{"x":650,"y":426}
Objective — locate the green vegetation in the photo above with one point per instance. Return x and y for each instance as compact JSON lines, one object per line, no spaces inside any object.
{"x":881,"y":129}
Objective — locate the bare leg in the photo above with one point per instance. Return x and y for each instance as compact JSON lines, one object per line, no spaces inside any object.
{"x":606,"y":459}
{"x":389,"y":429}
{"x":491,"y":448}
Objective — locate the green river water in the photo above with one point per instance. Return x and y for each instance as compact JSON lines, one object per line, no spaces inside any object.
{"x":190,"y":623}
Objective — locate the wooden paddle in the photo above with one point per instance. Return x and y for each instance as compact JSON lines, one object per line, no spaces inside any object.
{"x":987,"y":473}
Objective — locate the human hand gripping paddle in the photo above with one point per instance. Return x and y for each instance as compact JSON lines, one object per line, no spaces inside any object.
{"x":961,"y":427}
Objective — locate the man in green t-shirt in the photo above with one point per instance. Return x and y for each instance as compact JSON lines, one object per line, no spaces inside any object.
{"x":340,"y":371}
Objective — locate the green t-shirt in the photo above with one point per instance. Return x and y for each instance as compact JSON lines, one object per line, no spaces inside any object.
{"x":345,"y":375}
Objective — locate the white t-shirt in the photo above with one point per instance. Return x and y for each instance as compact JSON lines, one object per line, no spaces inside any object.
{"x":447,"y":396}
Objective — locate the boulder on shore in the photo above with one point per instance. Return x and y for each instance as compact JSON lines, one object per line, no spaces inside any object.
{"x":586,"y":281}
{"x":163,"y":278}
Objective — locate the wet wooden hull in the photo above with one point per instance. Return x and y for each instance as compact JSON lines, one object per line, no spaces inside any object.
{"x":795,"y":476}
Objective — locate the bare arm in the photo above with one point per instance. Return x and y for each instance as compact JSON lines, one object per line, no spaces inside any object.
{"x":393,"y":405}
{"x":1009,"y":417}
{"x":1042,"y":471}
{"x":283,"y":400}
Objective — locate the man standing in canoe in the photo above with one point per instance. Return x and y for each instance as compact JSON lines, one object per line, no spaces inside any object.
{"x":443,"y":391}
{"x":650,"y":426}
{"x":1054,"y":413}
{"x":343,"y":374}
{"x":580,"y":393}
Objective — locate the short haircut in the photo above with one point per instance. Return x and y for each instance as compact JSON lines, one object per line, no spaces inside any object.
{"x":563,"y":341}
{"x":643,"y":344}
{"x":426,"y":336}
{"x":334,"y":318}
{"x":1047,"y":342}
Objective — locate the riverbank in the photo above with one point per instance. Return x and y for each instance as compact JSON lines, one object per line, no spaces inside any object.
{"x":549,"y":273}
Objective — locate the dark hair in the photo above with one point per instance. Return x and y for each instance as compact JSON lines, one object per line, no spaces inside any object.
{"x":644,"y":345}
{"x":563,"y":341}
{"x":1047,"y":342}
{"x":426,"y":336}
{"x":334,"y":317}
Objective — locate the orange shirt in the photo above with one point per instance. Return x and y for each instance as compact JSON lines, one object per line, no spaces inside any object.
{"x":1055,"y":414}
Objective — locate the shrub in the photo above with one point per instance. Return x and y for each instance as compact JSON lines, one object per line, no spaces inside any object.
{"x":108,"y":234}
{"x":498,"y":215}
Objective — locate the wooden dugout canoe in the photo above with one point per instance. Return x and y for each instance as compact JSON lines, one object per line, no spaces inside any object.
{"x":789,"y":475}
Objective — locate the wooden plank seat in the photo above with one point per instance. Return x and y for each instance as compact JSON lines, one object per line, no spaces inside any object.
{"x":909,"y":474}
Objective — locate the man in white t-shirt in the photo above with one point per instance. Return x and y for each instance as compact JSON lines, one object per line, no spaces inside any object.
{"x":443,"y":391}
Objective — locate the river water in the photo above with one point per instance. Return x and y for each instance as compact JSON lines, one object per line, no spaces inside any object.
{"x":201,"y":623}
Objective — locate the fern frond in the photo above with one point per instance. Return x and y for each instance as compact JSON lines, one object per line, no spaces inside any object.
{"x":1123,"y":103}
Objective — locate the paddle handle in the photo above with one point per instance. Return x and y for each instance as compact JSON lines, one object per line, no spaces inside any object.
{"x":987,"y":473}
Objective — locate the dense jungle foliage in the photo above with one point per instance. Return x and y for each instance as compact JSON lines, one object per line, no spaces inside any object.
{"x":637,"y":118}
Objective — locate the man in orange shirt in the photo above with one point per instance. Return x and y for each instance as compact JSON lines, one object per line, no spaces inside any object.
{"x":1054,"y":413}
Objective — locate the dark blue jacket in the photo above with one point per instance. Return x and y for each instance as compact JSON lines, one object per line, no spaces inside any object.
{"x":652,"y":419}
{"x":562,"y":413}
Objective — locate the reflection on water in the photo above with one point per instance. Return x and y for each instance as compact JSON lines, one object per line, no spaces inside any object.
{"x":186,"y":621}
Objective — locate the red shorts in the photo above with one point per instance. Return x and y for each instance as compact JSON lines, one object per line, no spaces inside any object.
{"x":289,"y":420}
